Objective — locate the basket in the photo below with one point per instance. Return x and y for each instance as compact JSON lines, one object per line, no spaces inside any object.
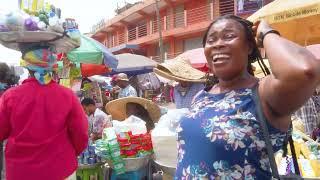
{"x":134,"y":164}
{"x":62,"y":42}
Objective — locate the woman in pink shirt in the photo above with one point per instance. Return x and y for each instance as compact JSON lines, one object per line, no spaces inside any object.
{"x":43,"y":122}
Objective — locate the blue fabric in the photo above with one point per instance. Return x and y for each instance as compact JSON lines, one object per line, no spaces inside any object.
{"x":221,"y":139}
{"x":185,"y":101}
{"x":3,"y":86}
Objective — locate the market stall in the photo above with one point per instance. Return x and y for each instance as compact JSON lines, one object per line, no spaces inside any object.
{"x":297,"y":21}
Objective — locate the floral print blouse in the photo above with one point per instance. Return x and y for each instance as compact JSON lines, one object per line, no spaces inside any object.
{"x":221,"y":139}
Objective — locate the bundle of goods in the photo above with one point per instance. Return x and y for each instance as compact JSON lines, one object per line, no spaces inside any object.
{"x":42,"y":26}
{"x":307,"y":153}
{"x":108,"y":149}
{"x":127,"y":145}
{"x":133,"y":146}
{"x":133,"y":138}
{"x":89,"y":157}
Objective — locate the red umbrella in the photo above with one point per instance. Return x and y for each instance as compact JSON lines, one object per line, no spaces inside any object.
{"x":88,"y":70}
{"x":315,"y":50}
{"x":197,"y":59}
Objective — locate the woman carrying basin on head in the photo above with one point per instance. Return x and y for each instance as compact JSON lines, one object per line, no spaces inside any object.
{"x":221,"y":136}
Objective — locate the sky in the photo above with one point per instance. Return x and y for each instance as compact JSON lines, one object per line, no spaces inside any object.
{"x":86,"y":12}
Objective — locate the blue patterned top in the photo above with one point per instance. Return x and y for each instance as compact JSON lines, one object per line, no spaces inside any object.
{"x":221,"y":139}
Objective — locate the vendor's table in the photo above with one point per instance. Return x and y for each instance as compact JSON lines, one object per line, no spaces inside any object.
{"x":92,"y":171}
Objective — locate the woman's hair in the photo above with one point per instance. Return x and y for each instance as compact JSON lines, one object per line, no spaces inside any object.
{"x":143,"y":114}
{"x":7,"y":75}
{"x":250,"y":36}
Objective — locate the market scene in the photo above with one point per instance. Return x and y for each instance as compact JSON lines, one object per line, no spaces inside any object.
{"x":159,"y":89}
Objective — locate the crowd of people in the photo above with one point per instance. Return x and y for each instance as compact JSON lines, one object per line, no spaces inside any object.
{"x":46,"y":126}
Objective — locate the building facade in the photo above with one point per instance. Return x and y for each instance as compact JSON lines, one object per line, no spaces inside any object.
{"x":183,"y":23}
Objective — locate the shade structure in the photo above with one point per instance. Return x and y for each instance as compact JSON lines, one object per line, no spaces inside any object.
{"x":197,"y":59}
{"x":88,"y":70}
{"x":92,"y":52}
{"x":297,"y":20}
{"x":133,"y":64}
{"x":315,"y":50}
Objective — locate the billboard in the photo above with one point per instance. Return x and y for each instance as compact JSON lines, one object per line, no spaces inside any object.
{"x":248,"y":6}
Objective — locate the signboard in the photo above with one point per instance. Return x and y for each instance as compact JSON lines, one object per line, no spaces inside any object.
{"x":248,"y":6}
{"x":31,"y":5}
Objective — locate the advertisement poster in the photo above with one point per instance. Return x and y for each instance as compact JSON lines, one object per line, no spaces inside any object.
{"x":248,"y":6}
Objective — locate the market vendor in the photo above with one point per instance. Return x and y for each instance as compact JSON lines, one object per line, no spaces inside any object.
{"x":98,"y":120}
{"x":126,"y":89}
{"x":144,"y":109}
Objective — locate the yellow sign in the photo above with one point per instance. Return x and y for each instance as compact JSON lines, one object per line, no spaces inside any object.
{"x":31,"y":5}
{"x":293,"y":14}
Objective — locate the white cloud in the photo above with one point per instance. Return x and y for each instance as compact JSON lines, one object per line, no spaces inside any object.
{"x":86,"y":12}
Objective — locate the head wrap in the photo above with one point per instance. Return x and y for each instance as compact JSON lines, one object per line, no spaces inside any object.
{"x":41,"y":62}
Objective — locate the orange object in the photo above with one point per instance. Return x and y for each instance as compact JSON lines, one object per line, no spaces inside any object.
{"x":93,"y":69}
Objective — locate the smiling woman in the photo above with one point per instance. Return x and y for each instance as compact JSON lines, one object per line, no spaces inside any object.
{"x":221,"y":138}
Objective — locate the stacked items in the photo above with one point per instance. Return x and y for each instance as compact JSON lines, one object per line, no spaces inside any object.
{"x":308,"y":157}
{"x":89,"y":157}
{"x":133,"y":146}
{"x":108,"y":148}
{"x":24,"y":30}
{"x":43,"y":20}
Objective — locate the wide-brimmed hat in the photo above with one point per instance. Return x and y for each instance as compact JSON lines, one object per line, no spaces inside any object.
{"x":117,"y":108}
{"x":179,"y":69}
{"x":122,"y":77}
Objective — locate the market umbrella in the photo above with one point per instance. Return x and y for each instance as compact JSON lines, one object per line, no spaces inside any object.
{"x":88,"y":70}
{"x":133,"y":64}
{"x":197,"y":59}
{"x":315,"y":50}
{"x":92,"y":52}
{"x":296,"y":20}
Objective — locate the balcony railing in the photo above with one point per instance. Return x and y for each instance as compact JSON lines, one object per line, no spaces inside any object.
{"x":171,"y":21}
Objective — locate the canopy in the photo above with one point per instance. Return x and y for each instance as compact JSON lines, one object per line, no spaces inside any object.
{"x":297,"y":20}
{"x":92,"y":52}
{"x":133,"y":64}
{"x":197,"y":59}
{"x":88,"y":70}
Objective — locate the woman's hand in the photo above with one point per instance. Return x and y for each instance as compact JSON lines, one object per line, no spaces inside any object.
{"x":259,"y":29}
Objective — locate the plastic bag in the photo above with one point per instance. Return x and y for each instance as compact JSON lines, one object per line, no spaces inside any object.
{"x":132,"y":123}
{"x":169,"y":122}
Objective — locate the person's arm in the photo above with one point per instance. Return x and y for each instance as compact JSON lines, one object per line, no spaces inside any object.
{"x":295,"y":75}
{"x":5,"y":126}
{"x":78,"y":126}
{"x":99,"y":124}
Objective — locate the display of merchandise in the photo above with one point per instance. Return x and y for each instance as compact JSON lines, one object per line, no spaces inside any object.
{"x":40,"y":26}
{"x":88,"y":156}
{"x":108,"y":149}
{"x":308,"y":156}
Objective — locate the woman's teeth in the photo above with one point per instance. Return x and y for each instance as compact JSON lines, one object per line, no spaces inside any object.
{"x":219,"y":56}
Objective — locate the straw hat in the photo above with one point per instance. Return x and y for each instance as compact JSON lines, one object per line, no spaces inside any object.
{"x":179,"y":69}
{"x":117,"y":108}
{"x":122,"y":77}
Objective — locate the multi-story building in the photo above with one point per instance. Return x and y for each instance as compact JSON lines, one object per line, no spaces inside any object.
{"x":183,"y":23}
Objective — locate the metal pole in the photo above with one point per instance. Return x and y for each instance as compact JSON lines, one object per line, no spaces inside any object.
{"x":160,"y":32}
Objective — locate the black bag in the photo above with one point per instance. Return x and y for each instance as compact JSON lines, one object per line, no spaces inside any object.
{"x":273,"y":165}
